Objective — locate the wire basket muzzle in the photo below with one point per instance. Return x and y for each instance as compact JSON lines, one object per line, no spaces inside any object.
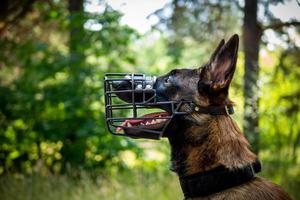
{"x":128,"y":97}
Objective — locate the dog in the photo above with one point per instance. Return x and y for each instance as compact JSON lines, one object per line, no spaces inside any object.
{"x":208,"y":150}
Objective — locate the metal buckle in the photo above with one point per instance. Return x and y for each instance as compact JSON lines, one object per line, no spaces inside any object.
{"x":226,"y":110}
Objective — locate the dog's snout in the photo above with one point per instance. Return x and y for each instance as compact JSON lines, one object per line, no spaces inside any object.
{"x":137,"y":87}
{"x":121,"y":85}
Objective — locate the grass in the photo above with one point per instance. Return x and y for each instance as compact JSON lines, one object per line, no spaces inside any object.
{"x":135,"y":184}
{"x":130,"y":185}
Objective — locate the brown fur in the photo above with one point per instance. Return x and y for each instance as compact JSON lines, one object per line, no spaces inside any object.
{"x":226,"y":145}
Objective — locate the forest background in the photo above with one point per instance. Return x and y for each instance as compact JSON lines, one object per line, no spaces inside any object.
{"x":54,"y":54}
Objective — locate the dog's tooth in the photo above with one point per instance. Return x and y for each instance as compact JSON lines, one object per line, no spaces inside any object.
{"x":119,"y":130}
{"x":159,"y":120}
{"x":142,"y":123}
{"x":153,"y":121}
{"x":129,"y":125}
{"x":162,"y":120}
{"x":147,"y":123}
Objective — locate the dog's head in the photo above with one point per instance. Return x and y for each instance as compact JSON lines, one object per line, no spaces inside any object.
{"x":206,"y":86}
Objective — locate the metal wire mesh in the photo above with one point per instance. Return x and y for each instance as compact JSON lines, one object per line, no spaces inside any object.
{"x":141,"y":99}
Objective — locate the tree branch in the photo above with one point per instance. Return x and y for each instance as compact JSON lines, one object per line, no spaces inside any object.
{"x":238,"y":5}
{"x":280,"y":25}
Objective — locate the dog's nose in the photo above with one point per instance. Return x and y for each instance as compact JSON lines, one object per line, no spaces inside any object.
{"x":139,"y":86}
{"x":121,"y":85}
{"x":135,"y":82}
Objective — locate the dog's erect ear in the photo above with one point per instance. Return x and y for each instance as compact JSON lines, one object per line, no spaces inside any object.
{"x":220,"y":69}
{"x":215,"y":53}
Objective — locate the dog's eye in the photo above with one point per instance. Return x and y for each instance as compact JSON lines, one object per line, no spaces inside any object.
{"x":168,"y":81}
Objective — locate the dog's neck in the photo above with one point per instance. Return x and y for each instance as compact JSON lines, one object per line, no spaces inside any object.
{"x":215,"y":141}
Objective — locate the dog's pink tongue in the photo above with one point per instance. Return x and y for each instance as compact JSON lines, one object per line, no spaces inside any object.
{"x":135,"y":122}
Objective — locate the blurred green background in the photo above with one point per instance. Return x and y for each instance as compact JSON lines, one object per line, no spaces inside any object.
{"x":53,"y":56}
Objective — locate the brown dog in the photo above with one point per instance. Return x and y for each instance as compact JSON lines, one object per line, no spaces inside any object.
{"x":209,"y":152}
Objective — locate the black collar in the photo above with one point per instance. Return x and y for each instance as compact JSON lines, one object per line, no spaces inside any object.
{"x":216,"y":180}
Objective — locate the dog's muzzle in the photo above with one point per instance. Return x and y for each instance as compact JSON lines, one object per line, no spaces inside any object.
{"x":132,"y":107}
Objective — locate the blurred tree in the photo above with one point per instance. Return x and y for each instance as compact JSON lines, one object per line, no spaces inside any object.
{"x":51,"y":98}
{"x":200,"y":20}
{"x":253,"y":29}
{"x":251,"y":42}
{"x":74,"y":147}
{"x":76,"y":33}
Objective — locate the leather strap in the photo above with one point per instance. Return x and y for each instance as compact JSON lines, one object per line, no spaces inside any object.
{"x":214,"y":110}
{"x":216,"y":180}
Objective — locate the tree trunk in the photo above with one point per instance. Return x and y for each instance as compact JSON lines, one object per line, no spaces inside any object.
{"x":76,"y":34}
{"x":251,"y":40}
{"x":74,"y":146}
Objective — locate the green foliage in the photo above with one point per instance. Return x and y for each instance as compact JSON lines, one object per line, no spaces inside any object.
{"x":51,"y":109}
{"x":279,"y":118}
{"x":280,"y":109}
